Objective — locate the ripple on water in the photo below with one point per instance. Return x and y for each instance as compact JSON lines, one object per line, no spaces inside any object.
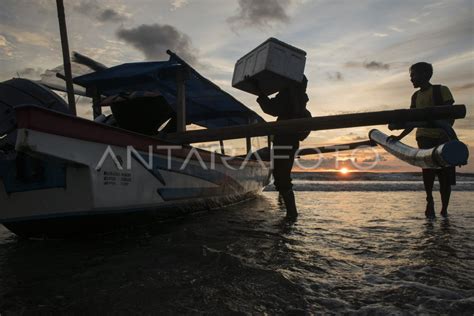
{"x":349,"y":252}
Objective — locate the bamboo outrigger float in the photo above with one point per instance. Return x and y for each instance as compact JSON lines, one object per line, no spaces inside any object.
{"x":452,"y":153}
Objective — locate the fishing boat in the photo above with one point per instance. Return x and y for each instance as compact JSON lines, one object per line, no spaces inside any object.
{"x":62,"y":175}
{"x":66,"y":176}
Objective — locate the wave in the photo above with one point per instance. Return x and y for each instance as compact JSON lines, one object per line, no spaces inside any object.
{"x":381,"y":186}
{"x":370,"y":176}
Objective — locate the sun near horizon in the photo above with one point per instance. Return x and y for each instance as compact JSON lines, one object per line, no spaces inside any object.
{"x":344,"y":171}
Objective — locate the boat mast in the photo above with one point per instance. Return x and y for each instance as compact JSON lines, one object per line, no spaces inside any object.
{"x":181,"y":99}
{"x":66,"y":59}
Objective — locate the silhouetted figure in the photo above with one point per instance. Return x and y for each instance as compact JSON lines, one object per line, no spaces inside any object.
{"x":431,"y":95}
{"x":289,"y":103}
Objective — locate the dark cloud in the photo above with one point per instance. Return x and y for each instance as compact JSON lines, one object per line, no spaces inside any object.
{"x":335,"y":76}
{"x":76,"y":69}
{"x":87,"y":7}
{"x":375,"y":159}
{"x":30,"y":73}
{"x":260,"y":13}
{"x":357,"y":138}
{"x":154,"y":39}
{"x":361,"y":164}
{"x":353,"y":137}
{"x":372,"y":65}
{"x":111,"y":15}
{"x":323,"y":163}
{"x":95,"y":10}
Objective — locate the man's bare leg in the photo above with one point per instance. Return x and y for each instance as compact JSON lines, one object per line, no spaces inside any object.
{"x":428,"y":181}
{"x":290,"y":204}
{"x":445,"y":191}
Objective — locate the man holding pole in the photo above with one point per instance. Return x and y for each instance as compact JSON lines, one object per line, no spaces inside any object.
{"x":289,"y":103}
{"x":431,"y":95}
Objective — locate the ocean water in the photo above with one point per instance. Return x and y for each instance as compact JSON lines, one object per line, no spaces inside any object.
{"x":368,"y":251}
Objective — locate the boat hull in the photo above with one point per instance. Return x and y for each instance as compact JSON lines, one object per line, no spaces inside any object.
{"x":93,"y":224}
{"x":66,"y":182}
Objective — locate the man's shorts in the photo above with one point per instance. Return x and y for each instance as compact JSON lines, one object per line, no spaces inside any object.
{"x":427,"y":143}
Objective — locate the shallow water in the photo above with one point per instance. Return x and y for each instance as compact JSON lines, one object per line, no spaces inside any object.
{"x":349,"y":252}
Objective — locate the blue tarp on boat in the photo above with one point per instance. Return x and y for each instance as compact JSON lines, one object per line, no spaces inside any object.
{"x":206,"y":104}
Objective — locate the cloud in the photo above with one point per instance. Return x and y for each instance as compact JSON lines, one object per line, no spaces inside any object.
{"x":467,"y":123}
{"x":359,"y":138}
{"x":261,"y":13}
{"x":6,"y":48}
{"x":3,"y":41}
{"x":464,"y":87}
{"x":350,"y":138}
{"x":30,"y":73}
{"x":396,"y":29}
{"x":87,"y":7}
{"x":372,"y":65}
{"x":49,"y":75}
{"x":110,"y":15}
{"x":377,"y":158}
{"x":31,"y":38}
{"x":422,"y":44}
{"x":177,"y":4}
{"x":322,"y":163}
{"x":154,"y":39}
{"x":93,"y":9}
{"x":335,"y":76}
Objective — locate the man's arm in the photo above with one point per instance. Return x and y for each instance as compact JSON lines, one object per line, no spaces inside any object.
{"x":273,"y":106}
{"x":267,"y":105}
{"x":408,"y":130}
{"x":401,"y":136}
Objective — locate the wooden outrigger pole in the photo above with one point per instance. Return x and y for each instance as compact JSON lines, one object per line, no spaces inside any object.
{"x":319,"y":123}
{"x":66,"y":59}
{"x":334,"y":148}
{"x":453,"y":153}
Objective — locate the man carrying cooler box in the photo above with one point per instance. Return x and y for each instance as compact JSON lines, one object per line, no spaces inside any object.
{"x":289,"y":103}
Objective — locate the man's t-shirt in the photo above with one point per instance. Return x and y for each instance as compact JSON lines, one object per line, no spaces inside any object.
{"x":425,"y":99}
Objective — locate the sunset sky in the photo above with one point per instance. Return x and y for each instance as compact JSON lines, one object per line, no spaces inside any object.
{"x":358,"y":52}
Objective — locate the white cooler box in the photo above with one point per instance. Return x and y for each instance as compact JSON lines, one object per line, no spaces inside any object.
{"x":273,"y":64}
